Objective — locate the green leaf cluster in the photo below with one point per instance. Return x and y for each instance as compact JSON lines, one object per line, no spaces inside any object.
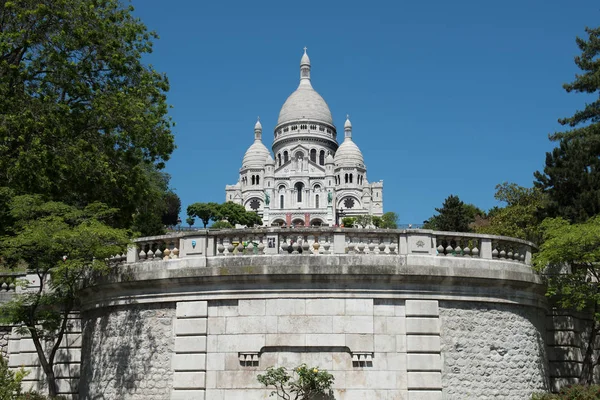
{"x":304,"y":383}
{"x":233,"y":213}
{"x":453,"y":216}
{"x":82,"y":119}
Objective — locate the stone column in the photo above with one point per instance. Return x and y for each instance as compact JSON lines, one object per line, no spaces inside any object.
{"x":189,"y":360}
{"x":423,"y":350}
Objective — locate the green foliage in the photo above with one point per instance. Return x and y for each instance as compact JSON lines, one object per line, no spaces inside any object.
{"x":172,"y":208}
{"x":454,"y":216}
{"x":190,"y":221}
{"x":569,"y":256}
{"x":521,"y":216}
{"x":83,"y":119}
{"x":304,"y":384}
{"x":64,"y":246}
{"x":389,"y":220}
{"x":348,"y":222}
{"x":571,"y":392}
{"x":571,"y":175}
{"x":363,"y":220}
{"x":222,"y":225}
{"x":234,"y":213}
{"x":10,"y":381}
{"x":204,"y":211}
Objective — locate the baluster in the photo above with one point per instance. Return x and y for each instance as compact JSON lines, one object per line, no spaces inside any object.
{"x":393,"y":246}
{"x":495,"y":252}
{"x":457,"y":249}
{"x":502,"y":253}
{"x":261,"y":245}
{"x":150,"y":253}
{"x":371,"y":246}
{"x":220,"y":247}
{"x":351,"y":245}
{"x":295,"y":246}
{"x":381,"y":246}
{"x":440,"y":248}
{"x":510,"y":253}
{"x":284,"y":245}
{"x":305,"y":246}
{"x":516,"y":255}
{"x":467,"y":248}
{"x":316,"y":246}
{"x":449,"y":249}
{"x":475,"y":251}
{"x":250,"y":248}
{"x":142,"y":255}
{"x":158,"y":254}
{"x":167,"y":254}
{"x":240,"y":247}
{"x":230,"y":246}
{"x":326,"y":245}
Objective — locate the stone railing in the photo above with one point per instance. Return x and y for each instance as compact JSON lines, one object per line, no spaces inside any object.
{"x":325,"y":241}
{"x":8,"y":281}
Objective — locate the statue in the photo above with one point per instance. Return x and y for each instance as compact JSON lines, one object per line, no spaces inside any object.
{"x":329,"y":197}
{"x":267,"y":198}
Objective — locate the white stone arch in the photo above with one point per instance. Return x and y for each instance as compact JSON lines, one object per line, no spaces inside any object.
{"x":278,"y":222}
{"x":317,"y":222}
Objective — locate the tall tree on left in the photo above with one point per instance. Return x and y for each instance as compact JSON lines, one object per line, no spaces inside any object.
{"x":82,"y":119}
{"x":65,"y":247}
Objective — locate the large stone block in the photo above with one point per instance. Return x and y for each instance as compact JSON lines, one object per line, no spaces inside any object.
{"x":286,"y":307}
{"x":215,"y":362}
{"x":369,"y":379}
{"x":189,"y":327}
{"x":422,"y":344}
{"x":191,"y":309}
{"x":325,"y":306}
{"x":422,"y":325}
{"x":242,"y":325}
{"x":385,"y":343}
{"x":359,"y":306}
{"x":188,"y":362}
{"x":395,"y":325}
{"x":353,"y":324}
{"x":326,"y":339}
{"x":286,"y":339}
{"x":360,"y":342}
{"x":425,"y":395}
{"x":216,"y":325}
{"x":424,"y":380}
{"x":424,"y":362}
{"x":305,"y":324}
{"x":252,"y":307}
{"x":238,"y":379}
{"x":422,"y":308}
{"x":189,"y":380}
{"x":190,"y":344}
{"x":235,"y":343}
{"x":188,"y":394}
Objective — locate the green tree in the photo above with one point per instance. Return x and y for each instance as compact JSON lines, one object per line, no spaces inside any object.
{"x":172,"y":208}
{"x":570,"y":258}
{"x":236,"y":214}
{"x":571,"y":175}
{"x":83,"y":119}
{"x":64,"y":246}
{"x":376,"y":220}
{"x":454,"y":216}
{"x":204,"y":211}
{"x":222,"y":225}
{"x":363,"y":220}
{"x":389,"y":220}
{"x":303,"y":384}
{"x":520,"y":217}
{"x":10,"y":381}
{"x":190,"y":221}
{"x":348,"y":222}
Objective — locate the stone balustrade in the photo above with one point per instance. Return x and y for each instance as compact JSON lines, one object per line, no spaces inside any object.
{"x":323,"y":241}
{"x":8,"y":281}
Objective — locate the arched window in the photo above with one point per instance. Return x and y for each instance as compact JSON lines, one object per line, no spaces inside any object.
{"x":253,"y":179}
{"x":279,"y":159}
{"x":322,"y":157}
{"x":317,"y":201}
{"x":350,"y":178}
{"x":281,"y":202}
{"x":313,"y":155}
{"x":285,"y":157}
{"x":281,"y":188}
{"x":299,"y":187}
{"x":317,"y":188}
{"x":346,"y":178}
{"x":257,"y":179}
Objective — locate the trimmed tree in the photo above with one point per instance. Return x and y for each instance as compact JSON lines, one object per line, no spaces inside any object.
{"x":303,"y":383}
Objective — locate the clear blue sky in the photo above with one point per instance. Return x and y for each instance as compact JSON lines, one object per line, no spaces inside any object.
{"x":444,"y":97}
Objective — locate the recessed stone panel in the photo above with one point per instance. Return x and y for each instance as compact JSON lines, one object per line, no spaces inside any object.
{"x":422,"y":308}
{"x":192,"y":309}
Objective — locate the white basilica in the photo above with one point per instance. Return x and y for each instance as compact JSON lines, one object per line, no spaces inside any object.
{"x":311,"y":180}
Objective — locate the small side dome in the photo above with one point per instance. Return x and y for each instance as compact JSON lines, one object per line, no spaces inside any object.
{"x":349,"y":155}
{"x":329,"y":159}
{"x":269,"y":160}
{"x":256,"y":156}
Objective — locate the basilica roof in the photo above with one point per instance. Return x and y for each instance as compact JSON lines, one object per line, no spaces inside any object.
{"x":348,"y":154}
{"x":305,"y":102}
{"x":257,"y":153}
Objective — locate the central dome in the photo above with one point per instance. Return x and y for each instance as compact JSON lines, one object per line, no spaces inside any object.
{"x":305,"y":102}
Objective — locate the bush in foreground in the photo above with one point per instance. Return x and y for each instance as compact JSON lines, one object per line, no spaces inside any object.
{"x":571,"y":392}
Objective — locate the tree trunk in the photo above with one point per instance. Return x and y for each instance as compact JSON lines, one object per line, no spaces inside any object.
{"x":587,"y":368}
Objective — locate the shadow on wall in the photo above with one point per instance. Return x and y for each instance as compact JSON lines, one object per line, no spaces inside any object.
{"x":127,"y":352}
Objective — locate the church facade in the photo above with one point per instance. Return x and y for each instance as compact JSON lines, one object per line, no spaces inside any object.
{"x":309,"y":179}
